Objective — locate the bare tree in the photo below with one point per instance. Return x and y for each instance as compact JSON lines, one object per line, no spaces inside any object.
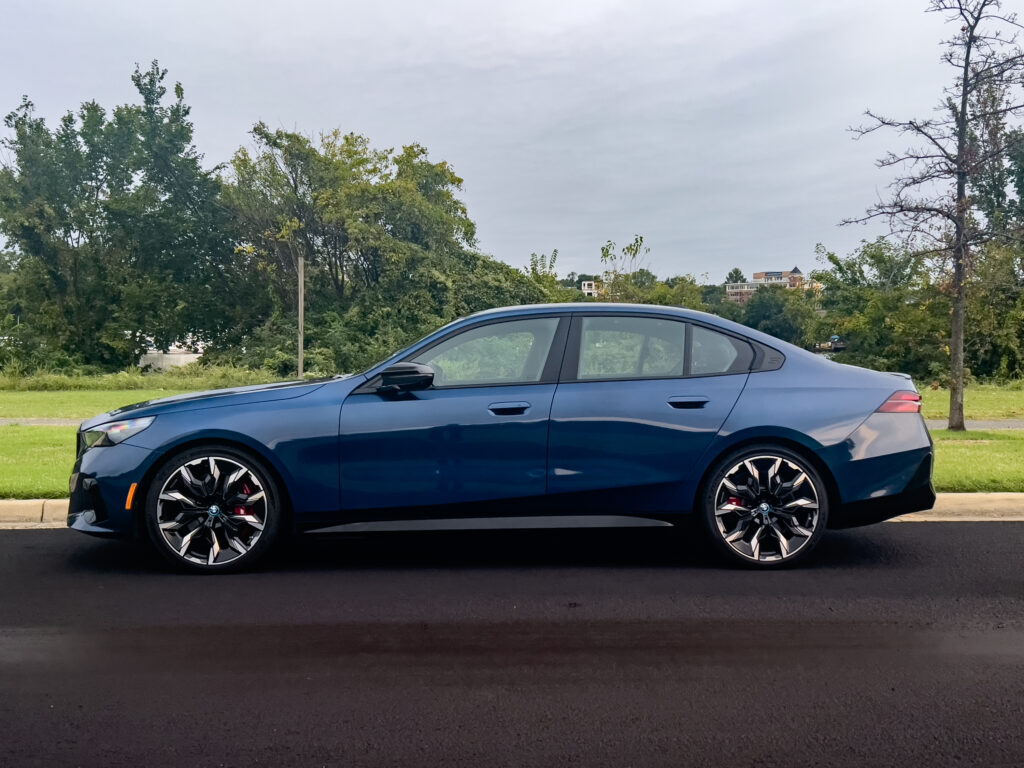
{"x":930,"y":200}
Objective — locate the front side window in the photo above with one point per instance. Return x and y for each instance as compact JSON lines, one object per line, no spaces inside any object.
{"x":631,"y":348}
{"x":512,"y":352}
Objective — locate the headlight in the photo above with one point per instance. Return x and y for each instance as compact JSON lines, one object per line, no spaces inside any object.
{"x":115,"y":432}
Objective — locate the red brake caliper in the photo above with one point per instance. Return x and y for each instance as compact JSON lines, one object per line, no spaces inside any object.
{"x":736,"y":501}
{"x":240,"y":510}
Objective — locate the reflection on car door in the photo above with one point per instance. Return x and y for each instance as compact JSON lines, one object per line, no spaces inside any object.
{"x":639,"y":402}
{"x":478,"y":435}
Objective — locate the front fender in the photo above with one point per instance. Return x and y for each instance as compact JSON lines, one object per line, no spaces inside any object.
{"x":298,"y":440}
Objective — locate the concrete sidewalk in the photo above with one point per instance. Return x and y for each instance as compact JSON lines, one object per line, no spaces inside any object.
{"x":949,"y":508}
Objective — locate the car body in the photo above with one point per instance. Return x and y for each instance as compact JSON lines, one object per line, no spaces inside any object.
{"x":562,"y":414}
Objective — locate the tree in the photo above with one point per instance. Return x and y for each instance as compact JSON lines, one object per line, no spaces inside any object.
{"x":994,"y":343}
{"x":779,"y":311}
{"x":930,"y":200}
{"x":542,"y":273}
{"x":388,"y":246}
{"x":882,"y":301}
{"x":118,"y":234}
{"x":622,"y":267}
{"x":678,"y":291}
{"x":735,"y":276}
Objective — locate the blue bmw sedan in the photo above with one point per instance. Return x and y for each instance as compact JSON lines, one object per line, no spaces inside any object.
{"x":533,"y":416}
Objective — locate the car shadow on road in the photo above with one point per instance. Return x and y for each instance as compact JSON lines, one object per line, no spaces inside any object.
{"x":485,"y":550}
{"x":619,"y":548}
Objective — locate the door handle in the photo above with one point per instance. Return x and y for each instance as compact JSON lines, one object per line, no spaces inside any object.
{"x":688,"y":402}
{"x":508,"y":409}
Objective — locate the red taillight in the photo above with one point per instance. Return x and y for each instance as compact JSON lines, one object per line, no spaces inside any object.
{"x":901,"y":402}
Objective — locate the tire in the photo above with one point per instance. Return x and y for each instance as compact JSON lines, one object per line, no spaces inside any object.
{"x":765,"y":506}
{"x":213,"y":509}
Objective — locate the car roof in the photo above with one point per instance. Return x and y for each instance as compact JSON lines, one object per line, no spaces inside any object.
{"x":591,"y":308}
{"x":611,"y":308}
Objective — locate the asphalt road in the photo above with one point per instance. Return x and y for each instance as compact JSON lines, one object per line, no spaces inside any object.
{"x":900,"y":644}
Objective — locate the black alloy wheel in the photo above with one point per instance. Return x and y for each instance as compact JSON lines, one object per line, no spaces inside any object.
{"x":765,"y":506}
{"x":213,"y":509}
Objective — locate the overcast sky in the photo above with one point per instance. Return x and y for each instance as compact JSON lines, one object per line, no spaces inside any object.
{"x":716,"y":130}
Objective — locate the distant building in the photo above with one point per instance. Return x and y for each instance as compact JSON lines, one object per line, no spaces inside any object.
{"x":163,"y":361}
{"x":790,"y":278}
{"x":590,"y":288}
{"x":741,"y":292}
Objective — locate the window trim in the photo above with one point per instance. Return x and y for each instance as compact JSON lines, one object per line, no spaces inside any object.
{"x":571,"y":358}
{"x":549,"y":372}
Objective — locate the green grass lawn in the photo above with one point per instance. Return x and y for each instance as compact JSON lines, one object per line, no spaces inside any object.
{"x":981,"y":401}
{"x":80,"y":404}
{"x":35,"y":461}
{"x":979,"y":461}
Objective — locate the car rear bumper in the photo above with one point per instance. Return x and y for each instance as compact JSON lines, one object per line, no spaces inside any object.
{"x":917,"y":495}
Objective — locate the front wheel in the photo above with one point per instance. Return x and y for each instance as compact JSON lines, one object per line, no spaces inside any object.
{"x":765,"y":506}
{"x":213,"y":509}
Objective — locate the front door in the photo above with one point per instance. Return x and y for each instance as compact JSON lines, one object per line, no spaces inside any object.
{"x":478,"y":435}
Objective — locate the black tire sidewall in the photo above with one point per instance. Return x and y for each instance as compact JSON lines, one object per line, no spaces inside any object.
{"x":707,"y":504}
{"x":271,"y":526}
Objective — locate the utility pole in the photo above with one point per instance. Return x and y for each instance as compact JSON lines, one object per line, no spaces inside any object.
{"x":302,"y":307}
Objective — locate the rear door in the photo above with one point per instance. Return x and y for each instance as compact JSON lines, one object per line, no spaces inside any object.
{"x":639,"y":401}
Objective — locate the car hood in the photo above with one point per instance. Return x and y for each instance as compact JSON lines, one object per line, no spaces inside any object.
{"x":213,"y":398}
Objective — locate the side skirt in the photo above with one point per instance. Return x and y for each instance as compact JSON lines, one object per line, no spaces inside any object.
{"x":498,"y":524}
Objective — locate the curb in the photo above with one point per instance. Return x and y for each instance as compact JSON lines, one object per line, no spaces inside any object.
{"x":949,"y":508}
{"x":33,"y":510}
{"x":970,"y":508}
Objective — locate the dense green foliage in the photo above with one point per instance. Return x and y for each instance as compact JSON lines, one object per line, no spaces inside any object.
{"x":883,"y":303}
{"x":119,"y":238}
{"x":188,"y":378}
{"x":117,"y":233}
{"x":892,"y":308}
{"x":389,"y":250}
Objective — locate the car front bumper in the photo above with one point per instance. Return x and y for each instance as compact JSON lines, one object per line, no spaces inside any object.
{"x":99,"y":488}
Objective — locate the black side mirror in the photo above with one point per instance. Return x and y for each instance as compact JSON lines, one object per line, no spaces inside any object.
{"x":405,"y":377}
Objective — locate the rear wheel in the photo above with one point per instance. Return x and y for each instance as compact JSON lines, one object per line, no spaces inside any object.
{"x":765,"y":506}
{"x":213,"y":509}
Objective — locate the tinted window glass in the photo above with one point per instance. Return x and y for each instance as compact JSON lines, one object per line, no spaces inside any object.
{"x":630,"y":348}
{"x":715,"y":352}
{"x":498,"y":353}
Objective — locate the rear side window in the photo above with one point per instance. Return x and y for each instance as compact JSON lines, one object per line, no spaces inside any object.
{"x":631,"y":348}
{"x":712,"y":352}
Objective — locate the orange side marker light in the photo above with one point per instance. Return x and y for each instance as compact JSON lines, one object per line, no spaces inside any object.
{"x":131,"y":495}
